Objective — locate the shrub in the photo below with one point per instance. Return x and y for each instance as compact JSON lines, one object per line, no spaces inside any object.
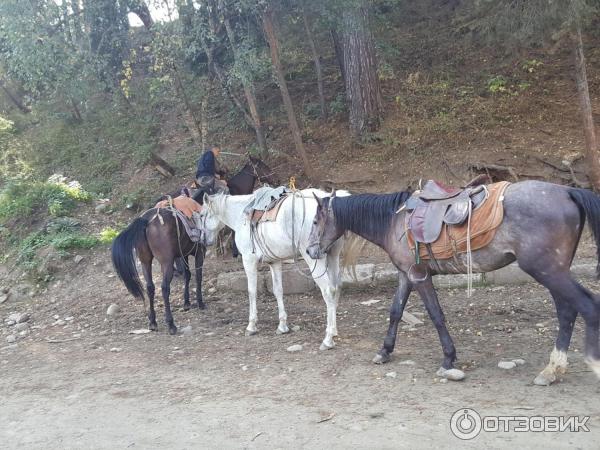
{"x":22,"y":199}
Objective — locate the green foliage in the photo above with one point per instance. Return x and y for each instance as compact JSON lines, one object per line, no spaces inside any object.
{"x":531,"y":65}
{"x":107,"y":235}
{"x":338,"y":105}
{"x":497,"y":84}
{"x":22,"y":199}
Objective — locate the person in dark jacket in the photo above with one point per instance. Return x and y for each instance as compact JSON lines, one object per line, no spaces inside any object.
{"x":207,"y":174}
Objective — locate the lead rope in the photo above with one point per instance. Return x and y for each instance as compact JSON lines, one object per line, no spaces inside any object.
{"x":469,"y":254}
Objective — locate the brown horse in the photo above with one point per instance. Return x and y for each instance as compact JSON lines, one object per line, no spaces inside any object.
{"x":541,"y":229}
{"x":159,"y":234}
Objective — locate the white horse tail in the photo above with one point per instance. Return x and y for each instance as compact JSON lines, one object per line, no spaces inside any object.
{"x":352,"y":249}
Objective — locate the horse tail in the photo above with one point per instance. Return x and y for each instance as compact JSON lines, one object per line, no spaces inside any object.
{"x":589,"y":205}
{"x":353,"y":245}
{"x":123,"y":258}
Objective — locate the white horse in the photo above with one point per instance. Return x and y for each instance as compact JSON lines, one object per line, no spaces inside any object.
{"x":274,"y":242}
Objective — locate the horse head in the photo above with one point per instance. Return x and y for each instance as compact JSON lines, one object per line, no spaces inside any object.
{"x":262,"y":171}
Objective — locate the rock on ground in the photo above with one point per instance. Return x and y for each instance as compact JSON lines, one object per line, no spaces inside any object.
{"x":507,"y":365}
{"x":294,"y":348}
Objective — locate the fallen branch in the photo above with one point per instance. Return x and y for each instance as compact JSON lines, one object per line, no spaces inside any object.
{"x":60,"y":341}
{"x":497,"y":167}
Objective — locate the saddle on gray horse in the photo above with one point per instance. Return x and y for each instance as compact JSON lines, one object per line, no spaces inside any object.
{"x":437,"y":204}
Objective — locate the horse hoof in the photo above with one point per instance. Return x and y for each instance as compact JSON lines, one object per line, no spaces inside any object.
{"x":451,"y":374}
{"x":325,"y":346}
{"x":544,"y":380}
{"x":153,"y":327}
{"x":173,"y":330}
{"x":201,"y":305}
{"x":381,"y":359}
{"x":282,"y":331}
{"x":251,"y":332}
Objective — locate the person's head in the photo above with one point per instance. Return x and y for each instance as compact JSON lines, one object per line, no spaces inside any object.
{"x":216,"y":150}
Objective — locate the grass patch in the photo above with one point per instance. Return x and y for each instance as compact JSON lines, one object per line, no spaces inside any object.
{"x":21,"y":200}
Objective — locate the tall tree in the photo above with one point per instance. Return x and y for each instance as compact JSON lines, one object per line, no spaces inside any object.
{"x":269,"y":27}
{"x":316,"y":60}
{"x":246,"y":79}
{"x":360,"y":69}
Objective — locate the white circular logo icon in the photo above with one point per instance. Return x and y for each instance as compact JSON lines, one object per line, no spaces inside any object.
{"x":465,"y":424}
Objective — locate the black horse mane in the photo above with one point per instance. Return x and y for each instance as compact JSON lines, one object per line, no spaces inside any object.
{"x":368,"y":214}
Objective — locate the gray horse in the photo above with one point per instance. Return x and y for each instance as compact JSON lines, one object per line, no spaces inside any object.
{"x":541,"y":229}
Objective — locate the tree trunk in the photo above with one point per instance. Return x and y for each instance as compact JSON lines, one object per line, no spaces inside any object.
{"x":204,"y":119}
{"x":140,"y":9}
{"x":248,"y":87}
{"x":287,"y":101}
{"x":13,"y":98}
{"x":339,"y":53}
{"x":360,"y":66}
{"x":317,"y":60}
{"x":193,"y":123}
{"x":591,"y":142}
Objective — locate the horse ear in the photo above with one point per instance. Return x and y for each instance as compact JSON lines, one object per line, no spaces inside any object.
{"x":319,"y":201}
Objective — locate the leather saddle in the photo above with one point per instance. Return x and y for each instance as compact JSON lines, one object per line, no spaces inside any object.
{"x":437,"y":204}
{"x":269,"y":214}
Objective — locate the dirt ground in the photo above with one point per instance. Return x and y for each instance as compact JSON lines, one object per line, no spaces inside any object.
{"x":79,"y":380}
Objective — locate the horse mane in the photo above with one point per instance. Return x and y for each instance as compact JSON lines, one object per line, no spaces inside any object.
{"x":368,"y":214}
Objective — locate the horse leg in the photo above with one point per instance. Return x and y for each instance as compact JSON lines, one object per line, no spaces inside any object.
{"x":186,"y":283}
{"x":577,"y":299}
{"x":329,"y":290}
{"x":167,"y":272}
{"x":234,"y":250}
{"x":147,"y":271}
{"x":430,"y":300}
{"x":251,"y":268}
{"x":335,"y":279}
{"x":396,"y":311}
{"x":558,"y":358}
{"x":198,"y":263}
{"x":278,"y":292}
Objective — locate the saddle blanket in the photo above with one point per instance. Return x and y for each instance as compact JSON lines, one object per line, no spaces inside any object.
{"x":182,"y":203}
{"x":185,"y":209}
{"x":453,"y":238}
{"x":265,"y":205}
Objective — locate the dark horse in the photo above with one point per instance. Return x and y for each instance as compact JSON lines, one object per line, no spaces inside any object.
{"x":166,"y":240}
{"x":158,"y":234}
{"x":541,"y":229}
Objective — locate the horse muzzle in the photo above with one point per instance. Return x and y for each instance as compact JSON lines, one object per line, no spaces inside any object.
{"x":314,"y":251}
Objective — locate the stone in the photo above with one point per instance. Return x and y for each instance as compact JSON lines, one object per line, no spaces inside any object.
{"x":407,"y":362}
{"x":294,"y":348}
{"x":23,"y":333}
{"x":23,"y":317}
{"x":77,"y":259}
{"x":451,"y":374}
{"x":113,"y":310}
{"x":3,"y":298}
{"x":519,"y":361}
{"x":212,"y":290}
{"x":391,"y":375}
{"x":296,"y":328}
{"x":21,"y":326}
{"x":116,"y":349}
{"x":507,"y":365}
{"x":187,"y":331}
{"x":11,"y":338}
{"x":102,"y":208}
{"x":410,"y":319}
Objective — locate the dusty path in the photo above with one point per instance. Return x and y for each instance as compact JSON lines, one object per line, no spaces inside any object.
{"x":216,"y":388}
